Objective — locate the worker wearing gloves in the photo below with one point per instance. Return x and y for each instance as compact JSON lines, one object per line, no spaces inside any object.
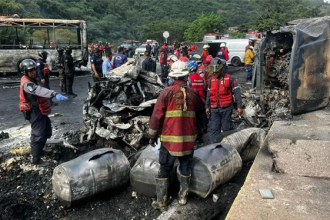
{"x":35,"y":106}
{"x":174,"y":119}
{"x":219,"y":98}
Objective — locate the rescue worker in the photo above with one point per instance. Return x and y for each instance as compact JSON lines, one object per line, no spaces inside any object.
{"x":205,"y":52}
{"x":223,"y":54}
{"x":120,"y":58}
{"x":174,"y":119}
{"x":249,"y":44}
{"x":196,"y":81}
{"x":60,"y":66}
{"x":69,"y":71}
{"x":35,"y":107}
{"x":248,"y":61}
{"x":148,"y":64}
{"x":163,"y":63}
{"x":96,"y":63}
{"x":170,"y":60}
{"x":219,"y":99}
{"x":193,"y":51}
{"x":43,"y":73}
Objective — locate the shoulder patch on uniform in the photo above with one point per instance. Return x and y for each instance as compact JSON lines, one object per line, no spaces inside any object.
{"x":38,"y":64}
{"x":31,"y":87}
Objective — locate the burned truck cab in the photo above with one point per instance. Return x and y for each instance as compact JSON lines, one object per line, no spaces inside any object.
{"x":292,"y":67}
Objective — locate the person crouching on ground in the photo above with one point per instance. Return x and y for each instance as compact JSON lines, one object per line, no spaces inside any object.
{"x":174,"y":118}
{"x":219,"y":100}
{"x":35,"y":107}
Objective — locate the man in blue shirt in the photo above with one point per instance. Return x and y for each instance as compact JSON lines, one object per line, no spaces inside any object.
{"x":106,"y":66}
{"x":120,"y":58}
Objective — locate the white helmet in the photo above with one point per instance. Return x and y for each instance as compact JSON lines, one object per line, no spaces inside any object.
{"x":206,"y":46}
{"x":173,"y":58}
{"x":179,"y":69}
{"x":222,"y":45}
{"x":251,"y":47}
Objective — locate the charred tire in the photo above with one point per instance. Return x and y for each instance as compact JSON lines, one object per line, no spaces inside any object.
{"x":236,"y":61}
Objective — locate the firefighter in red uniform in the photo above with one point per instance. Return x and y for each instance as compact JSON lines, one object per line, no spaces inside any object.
{"x":219,"y":100}
{"x":196,"y":81}
{"x":35,"y":106}
{"x":205,"y":52}
{"x":163,"y":63}
{"x":174,"y":119}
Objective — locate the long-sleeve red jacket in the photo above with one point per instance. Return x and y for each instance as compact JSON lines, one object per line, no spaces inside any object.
{"x":174,"y":118}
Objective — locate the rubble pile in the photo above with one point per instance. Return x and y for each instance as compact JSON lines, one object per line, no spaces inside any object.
{"x":4,"y":135}
{"x":119,"y":106}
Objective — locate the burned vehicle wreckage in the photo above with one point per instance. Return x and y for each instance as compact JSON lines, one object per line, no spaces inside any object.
{"x":291,"y":72}
{"x":119,"y":107}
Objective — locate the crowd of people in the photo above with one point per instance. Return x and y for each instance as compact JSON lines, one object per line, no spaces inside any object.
{"x":197,"y":86}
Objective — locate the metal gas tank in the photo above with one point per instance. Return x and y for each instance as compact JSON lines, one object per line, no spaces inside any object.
{"x":212,"y":166}
{"x":89,"y":174}
{"x":145,"y":171}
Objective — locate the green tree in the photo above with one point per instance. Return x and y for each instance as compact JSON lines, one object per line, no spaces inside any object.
{"x":272,"y":16}
{"x":154,"y":30}
{"x":205,"y":23}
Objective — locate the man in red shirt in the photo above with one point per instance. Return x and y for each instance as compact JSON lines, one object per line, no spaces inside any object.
{"x":174,"y":119}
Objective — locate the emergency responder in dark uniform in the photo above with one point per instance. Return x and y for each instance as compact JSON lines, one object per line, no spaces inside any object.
{"x":219,"y":98}
{"x":60,"y":66}
{"x":69,"y":71}
{"x":96,"y":63}
{"x":43,"y":73}
{"x":35,"y":107}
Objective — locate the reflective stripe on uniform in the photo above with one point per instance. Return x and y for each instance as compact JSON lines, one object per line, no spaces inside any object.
{"x":237,"y":87}
{"x":152,"y":132}
{"x":197,"y":84}
{"x":178,"y":139}
{"x":180,"y":113}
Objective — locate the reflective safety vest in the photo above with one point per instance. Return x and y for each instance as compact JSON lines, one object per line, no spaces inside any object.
{"x":25,"y":105}
{"x":220,"y":92}
{"x":176,"y":122}
{"x":197,"y":83}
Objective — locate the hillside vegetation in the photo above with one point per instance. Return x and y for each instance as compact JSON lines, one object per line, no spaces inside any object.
{"x":114,"y":21}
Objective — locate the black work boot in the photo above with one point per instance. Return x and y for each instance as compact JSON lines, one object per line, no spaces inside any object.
{"x":161,"y":192}
{"x":72,"y":95}
{"x":35,"y":152}
{"x":184,"y":188}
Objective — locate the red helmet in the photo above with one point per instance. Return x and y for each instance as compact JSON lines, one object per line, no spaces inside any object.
{"x":184,"y":59}
{"x":163,"y":47}
{"x":208,"y":59}
{"x":193,"y":47}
